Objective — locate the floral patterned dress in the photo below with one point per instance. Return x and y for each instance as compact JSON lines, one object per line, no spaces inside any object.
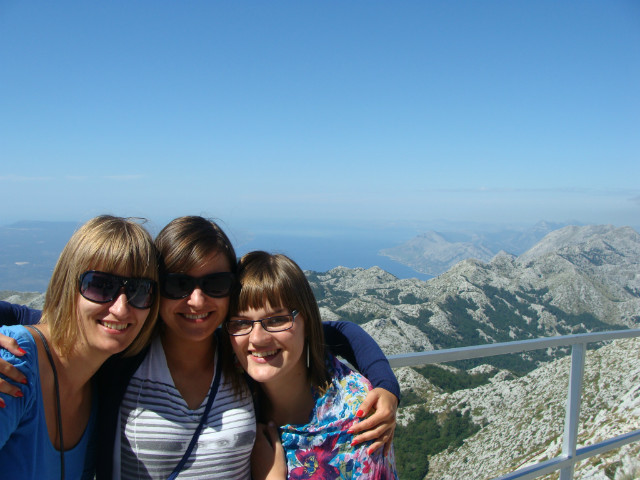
{"x":322,"y":448}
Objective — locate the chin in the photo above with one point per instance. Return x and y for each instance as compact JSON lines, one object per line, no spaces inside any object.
{"x":260,"y":376}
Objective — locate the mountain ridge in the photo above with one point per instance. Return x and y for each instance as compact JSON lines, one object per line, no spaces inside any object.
{"x":435,"y":252}
{"x":575,"y":279}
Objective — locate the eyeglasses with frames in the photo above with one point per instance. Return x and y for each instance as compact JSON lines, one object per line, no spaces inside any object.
{"x":277,"y":323}
{"x":179,"y":285}
{"x":101,"y":287}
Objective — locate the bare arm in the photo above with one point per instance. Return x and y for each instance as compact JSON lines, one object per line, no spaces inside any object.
{"x":350,"y":341}
{"x":268,"y":461}
{"x":381,"y":424}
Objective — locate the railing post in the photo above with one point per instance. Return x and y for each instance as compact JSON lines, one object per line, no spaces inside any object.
{"x":572,"y":416}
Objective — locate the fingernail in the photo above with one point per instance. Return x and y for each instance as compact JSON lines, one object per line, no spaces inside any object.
{"x":22,"y":352}
{"x":359,"y":414}
{"x":2,"y":403}
{"x":18,"y":394}
{"x":354,"y":443}
{"x":350,"y":430}
{"x":23,"y":381}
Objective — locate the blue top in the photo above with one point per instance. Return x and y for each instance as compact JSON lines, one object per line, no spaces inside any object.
{"x":26,"y":452}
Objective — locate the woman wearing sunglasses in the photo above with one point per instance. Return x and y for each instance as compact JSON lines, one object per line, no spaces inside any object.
{"x":177,"y":411}
{"x":276,"y":334}
{"x":101,"y":300}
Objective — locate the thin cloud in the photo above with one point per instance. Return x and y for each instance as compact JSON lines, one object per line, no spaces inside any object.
{"x":123,"y":178}
{"x":117,"y":178}
{"x":564,"y":190}
{"x":22,"y":178}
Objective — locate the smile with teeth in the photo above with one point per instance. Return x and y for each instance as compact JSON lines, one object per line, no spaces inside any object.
{"x":264,"y":354}
{"x":195,"y":316}
{"x":114,"y":325}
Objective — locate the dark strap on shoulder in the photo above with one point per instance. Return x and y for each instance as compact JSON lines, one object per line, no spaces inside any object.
{"x":57,"y":387}
{"x":203,"y":419}
{"x":112,"y":380}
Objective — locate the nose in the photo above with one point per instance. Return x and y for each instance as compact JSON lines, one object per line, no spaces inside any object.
{"x":196,"y":299}
{"x":120,"y":306}
{"x":258,"y":333}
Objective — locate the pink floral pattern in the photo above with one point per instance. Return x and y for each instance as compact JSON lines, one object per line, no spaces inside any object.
{"x":322,"y":448}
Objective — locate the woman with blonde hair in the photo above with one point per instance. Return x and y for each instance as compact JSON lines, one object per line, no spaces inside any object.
{"x":101,"y":300}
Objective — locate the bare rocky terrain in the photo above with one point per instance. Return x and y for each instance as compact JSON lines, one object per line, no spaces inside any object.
{"x":574,"y":280}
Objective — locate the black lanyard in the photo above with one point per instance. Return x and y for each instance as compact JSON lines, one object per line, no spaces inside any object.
{"x":58,"y":408}
{"x":203,"y":419}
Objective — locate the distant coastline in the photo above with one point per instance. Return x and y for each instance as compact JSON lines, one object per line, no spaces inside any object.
{"x":29,"y":251}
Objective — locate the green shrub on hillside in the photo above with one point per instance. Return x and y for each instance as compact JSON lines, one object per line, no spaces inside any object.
{"x":427,"y":435}
{"x":451,"y":381}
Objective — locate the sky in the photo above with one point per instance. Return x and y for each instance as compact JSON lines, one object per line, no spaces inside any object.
{"x":311,"y":113}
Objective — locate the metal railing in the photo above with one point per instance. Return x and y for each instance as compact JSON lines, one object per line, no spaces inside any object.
{"x":571,"y":454}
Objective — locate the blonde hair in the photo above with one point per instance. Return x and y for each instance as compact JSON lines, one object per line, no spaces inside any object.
{"x":107,"y":243}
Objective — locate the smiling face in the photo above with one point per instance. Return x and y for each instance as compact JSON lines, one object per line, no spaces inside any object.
{"x":271,"y":358}
{"x":110,"y":327}
{"x":196,"y":317}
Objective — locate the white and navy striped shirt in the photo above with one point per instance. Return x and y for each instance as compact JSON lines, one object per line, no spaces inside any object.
{"x":156,"y":427}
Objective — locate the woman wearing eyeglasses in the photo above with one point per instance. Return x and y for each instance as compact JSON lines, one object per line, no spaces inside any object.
{"x":178,"y":413}
{"x":276,"y":333}
{"x":101,"y":300}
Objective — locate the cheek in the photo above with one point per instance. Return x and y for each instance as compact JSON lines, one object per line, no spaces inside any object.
{"x":142,"y":317}
{"x":237,"y":345}
{"x":86,"y":309}
{"x":166,"y":306}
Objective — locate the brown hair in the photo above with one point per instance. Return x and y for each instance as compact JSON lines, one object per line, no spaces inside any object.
{"x":107,"y":243}
{"x":185,"y":241}
{"x":279,"y":281}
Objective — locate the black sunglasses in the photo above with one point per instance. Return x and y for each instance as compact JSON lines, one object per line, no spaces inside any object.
{"x":101,"y":287}
{"x":179,"y":285}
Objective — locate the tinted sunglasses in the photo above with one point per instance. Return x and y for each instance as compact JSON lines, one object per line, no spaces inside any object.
{"x":179,"y":285}
{"x":101,"y":287}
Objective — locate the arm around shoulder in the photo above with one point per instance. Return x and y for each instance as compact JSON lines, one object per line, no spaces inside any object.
{"x":14,"y":314}
{"x":351,"y":342}
{"x":13,"y":408}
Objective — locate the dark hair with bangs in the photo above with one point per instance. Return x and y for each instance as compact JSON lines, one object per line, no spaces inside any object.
{"x":186,"y":241}
{"x":107,"y":243}
{"x":277,"y":280}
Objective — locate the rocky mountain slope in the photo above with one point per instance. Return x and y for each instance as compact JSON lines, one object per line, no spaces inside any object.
{"x":30,"y":299}
{"x":523,"y":418}
{"x":578,"y":279}
{"x":434,"y":253}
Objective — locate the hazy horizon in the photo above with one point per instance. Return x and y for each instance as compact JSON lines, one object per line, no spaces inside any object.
{"x":313,"y":113}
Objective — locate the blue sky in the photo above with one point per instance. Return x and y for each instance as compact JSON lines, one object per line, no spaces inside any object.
{"x":318,"y":112}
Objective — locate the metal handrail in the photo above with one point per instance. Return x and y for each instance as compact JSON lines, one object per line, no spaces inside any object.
{"x":571,"y":455}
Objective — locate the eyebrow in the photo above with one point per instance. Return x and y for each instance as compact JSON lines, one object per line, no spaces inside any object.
{"x":273,"y":313}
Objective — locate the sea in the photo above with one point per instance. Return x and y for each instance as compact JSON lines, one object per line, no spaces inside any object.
{"x":29,"y":250}
{"x":322,"y":253}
